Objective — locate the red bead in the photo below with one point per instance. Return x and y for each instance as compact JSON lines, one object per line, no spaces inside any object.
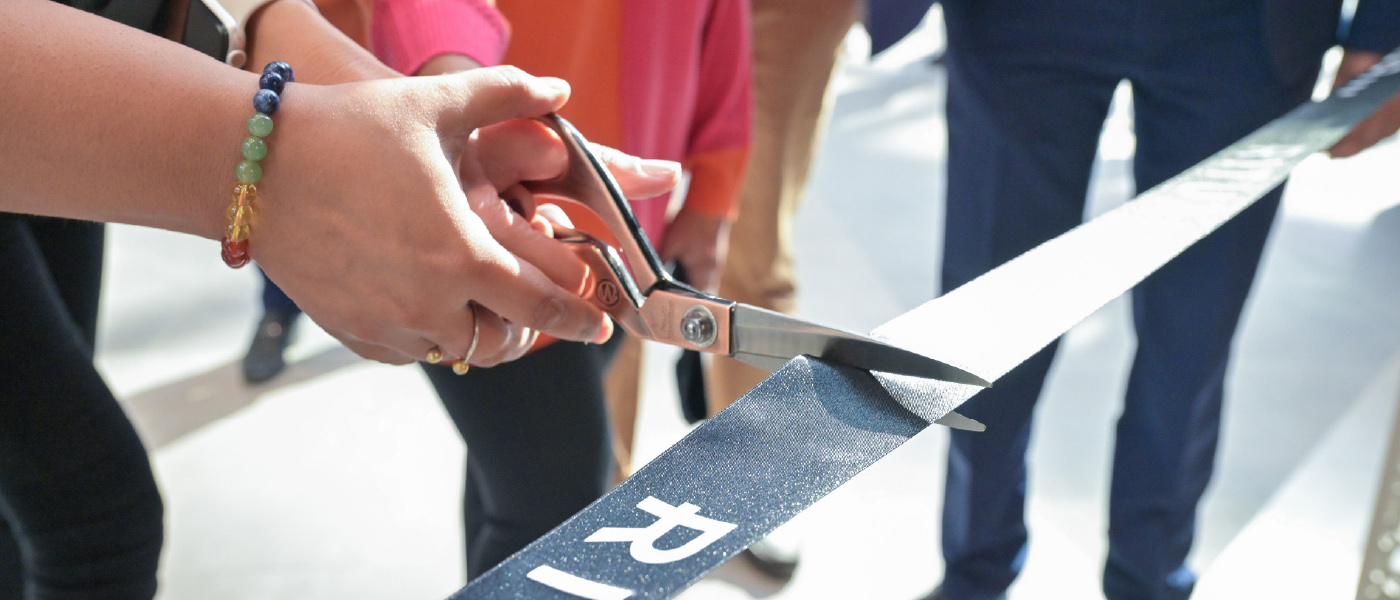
{"x":235,"y":254}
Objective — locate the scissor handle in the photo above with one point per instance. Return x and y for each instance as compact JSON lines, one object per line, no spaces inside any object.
{"x":609,"y":286}
{"x":588,"y":182}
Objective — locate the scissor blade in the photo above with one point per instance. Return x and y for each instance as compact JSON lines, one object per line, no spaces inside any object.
{"x":767,"y":339}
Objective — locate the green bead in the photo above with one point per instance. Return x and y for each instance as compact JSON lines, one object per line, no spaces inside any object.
{"x":260,"y":125}
{"x":249,"y":171}
{"x":254,"y":148}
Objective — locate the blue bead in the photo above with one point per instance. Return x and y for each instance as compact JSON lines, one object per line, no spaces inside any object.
{"x":272,"y":81}
{"x":266,"y":101}
{"x":280,"y":68}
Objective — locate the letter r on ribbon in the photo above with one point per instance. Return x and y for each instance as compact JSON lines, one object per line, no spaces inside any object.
{"x":667,"y":518}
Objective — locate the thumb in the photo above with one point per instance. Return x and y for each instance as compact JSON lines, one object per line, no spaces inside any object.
{"x":481,"y":97}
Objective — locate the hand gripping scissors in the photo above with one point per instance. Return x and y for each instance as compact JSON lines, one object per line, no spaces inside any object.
{"x":646,"y":301}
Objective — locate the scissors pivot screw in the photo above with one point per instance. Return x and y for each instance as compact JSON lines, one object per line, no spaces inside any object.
{"x":698,"y":326}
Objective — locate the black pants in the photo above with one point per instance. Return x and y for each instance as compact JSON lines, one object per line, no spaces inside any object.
{"x":80,"y":505}
{"x":538,"y":444}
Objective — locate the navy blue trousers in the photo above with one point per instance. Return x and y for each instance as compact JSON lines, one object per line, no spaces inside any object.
{"x":276,"y":300}
{"x":1029,"y":86}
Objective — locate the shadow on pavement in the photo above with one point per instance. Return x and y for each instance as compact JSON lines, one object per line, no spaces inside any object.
{"x":167,"y":413}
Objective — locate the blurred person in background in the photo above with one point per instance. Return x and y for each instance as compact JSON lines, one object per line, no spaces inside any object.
{"x":266,"y":356}
{"x":796,"y":44}
{"x":661,"y":80}
{"x":1029,"y":86}
{"x":99,"y":128}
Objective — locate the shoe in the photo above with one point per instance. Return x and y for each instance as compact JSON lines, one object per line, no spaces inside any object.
{"x":766,"y":559}
{"x":759,"y":573}
{"x":937,"y":594}
{"x":264,"y":359}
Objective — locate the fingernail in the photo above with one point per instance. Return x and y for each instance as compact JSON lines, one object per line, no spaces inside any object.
{"x":660,"y":168}
{"x":555,"y":84}
{"x":605,"y":333}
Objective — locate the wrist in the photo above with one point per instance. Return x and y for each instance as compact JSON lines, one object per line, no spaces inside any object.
{"x":443,"y":64}
{"x":293,"y":31}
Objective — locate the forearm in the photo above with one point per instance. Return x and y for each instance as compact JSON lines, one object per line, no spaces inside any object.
{"x":448,"y":63}
{"x":90,"y":134}
{"x":292,"y":31}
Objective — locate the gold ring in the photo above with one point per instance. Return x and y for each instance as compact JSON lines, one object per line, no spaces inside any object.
{"x":462,"y":366}
{"x":434,"y":355}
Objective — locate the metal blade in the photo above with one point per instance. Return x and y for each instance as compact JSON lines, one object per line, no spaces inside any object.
{"x":956,"y":420}
{"x":767,"y":339}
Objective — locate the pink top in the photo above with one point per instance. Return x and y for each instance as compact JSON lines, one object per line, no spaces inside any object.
{"x":678,"y":85}
{"x":405,"y":34}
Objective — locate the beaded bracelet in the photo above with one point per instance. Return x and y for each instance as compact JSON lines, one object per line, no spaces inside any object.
{"x":274,"y":79}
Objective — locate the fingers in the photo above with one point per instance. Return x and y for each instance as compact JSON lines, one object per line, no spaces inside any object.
{"x":521,"y":202}
{"x":482,"y":337}
{"x":481,"y":97}
{"x":533,"y":242}
{"x":639,"y":178}
{"x":372,"y":351}
{"x":1353,"y":63}
{"x":1380,"y":125}
{"x":527,"y":150}
{"x":699,"y":241}
{"x":520,"y":150}
{"x":554,"y":215}
{"x":523,"y":294}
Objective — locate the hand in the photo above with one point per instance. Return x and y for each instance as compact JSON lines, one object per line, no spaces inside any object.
{"x":365,"y":223}
{"x":443,"y":64}
{"x":526,"y":150}
{"x":1380,"y":125}
{"x":699,"y":242}
{"x":510,"y":153}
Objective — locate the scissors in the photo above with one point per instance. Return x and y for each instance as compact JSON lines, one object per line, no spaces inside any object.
{"x":646,"y":301}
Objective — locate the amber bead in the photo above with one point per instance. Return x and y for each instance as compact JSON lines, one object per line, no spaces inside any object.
{"x":461,"y":367}
{"x":237,"y":233}
{"x":244,"y":194}
{"x":239,"y":215}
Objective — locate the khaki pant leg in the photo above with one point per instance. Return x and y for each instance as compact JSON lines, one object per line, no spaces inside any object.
{"x":622,"y":387}
{"x":795,"y":44}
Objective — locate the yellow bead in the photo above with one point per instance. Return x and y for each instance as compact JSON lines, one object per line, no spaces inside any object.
{"x":461,"y":367}
{"x":244,"y":194}
{"x":434,"y":355}
{"x":236,"y":233}
{"x":239,"y":215}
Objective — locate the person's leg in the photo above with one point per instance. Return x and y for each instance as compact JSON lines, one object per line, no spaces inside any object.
{"x":795,"y":45}
{"x":11,"y":564}
{"x":75,"y":483}
{"x":1210,"y":88}
{"x":265,"y":357}
{"x":72,"y":251}
{"x":622,"y":386}
{"x":1023,"y":128}
{"x":538,"y":444}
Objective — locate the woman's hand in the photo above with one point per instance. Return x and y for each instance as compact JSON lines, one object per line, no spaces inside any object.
{"x":1380,"y":125}
{"x":364,"y":221}
{"x":699,"y":242}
